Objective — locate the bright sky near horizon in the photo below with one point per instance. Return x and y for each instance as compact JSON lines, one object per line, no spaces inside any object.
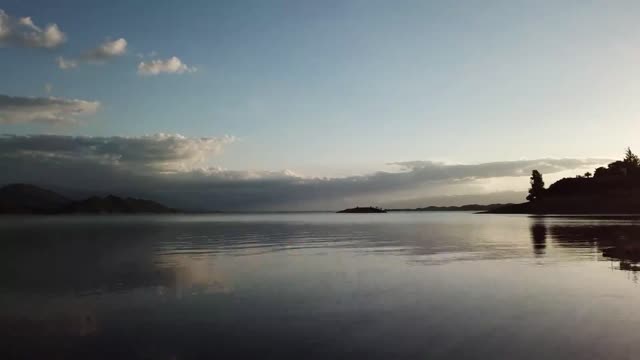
{"x":326,"y":88}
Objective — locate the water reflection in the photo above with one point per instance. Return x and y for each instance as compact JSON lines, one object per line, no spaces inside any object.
{"x":179,"y":258}
{"x":613,"y":239}
{"x":94,"y":258}
{"x":54,"y":277}
{"x":539,"y":237}
{"x":301,"y":287}
{"x":80,"y":261}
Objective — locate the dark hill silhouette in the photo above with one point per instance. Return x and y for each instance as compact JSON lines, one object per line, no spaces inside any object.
{"x":612,"y":190}
{"x":469,"y":207}
{"x":113,"y":204}
{"x":362,"y":210}
{"x":30,"y":199}
{"x":584,"y":196}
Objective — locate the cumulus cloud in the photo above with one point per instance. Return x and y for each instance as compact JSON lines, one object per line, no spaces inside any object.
{"x":44,"y":110}
{"x":107,"y":50}
{"x":172,"y":65}
{"x":103,"y":53}
{"x":150,"y":154}
{"x":175,"y":169}
{"x":23,"y":32}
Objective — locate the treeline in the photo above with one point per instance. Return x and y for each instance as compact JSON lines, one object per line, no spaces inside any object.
{"x":617,"y":177}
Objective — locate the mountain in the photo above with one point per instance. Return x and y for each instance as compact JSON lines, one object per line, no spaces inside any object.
{"x":30,"y":199}
{"x":469,"y":207}
{"x":113,"y":204}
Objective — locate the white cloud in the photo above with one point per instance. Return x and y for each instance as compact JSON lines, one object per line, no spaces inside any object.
{"x":149,"y":154}
{"x":45,"y":110}
{"x":172,"y":65}
{"x":23,"y":32}
{"x":106,"y":50}
{"x":66,"y":64}
{"x":441,"y":171}
{"x":26,"y":21}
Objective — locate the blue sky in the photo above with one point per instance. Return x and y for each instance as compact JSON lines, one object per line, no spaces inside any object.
{"x":337,"y":88}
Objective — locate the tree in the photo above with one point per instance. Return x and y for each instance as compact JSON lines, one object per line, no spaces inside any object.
{"x":617,"y":168}
{"x":537,"y":186}
{"x":630,"y":159}
{"x":601,"y":171}
{"x":587,"y":174}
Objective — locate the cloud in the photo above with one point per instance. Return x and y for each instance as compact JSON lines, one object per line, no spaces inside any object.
{"x":150,"y":154}
{"x":107,"y":50}
{"x":23,"y":32}
{"x":440,"y":171}
{"x":66,"y":64}
{"x":103,"y":53}
{"x":151,"y":54}
{"x":176,"y":170}
{"x":44,"y":110}
{"x":172,"y":65}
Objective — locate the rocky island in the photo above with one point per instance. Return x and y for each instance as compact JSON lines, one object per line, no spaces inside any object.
{"x":363,"y":210}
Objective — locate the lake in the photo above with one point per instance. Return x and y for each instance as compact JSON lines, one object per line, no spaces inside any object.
{"x":319,"y":286}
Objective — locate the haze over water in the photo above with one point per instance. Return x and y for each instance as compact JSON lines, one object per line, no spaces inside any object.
{"x":319,"y":285}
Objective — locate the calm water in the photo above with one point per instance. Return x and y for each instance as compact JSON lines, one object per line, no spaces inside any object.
{"x":327,"y":286}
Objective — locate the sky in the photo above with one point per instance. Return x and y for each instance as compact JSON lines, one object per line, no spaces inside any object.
{"x":276,"y":105}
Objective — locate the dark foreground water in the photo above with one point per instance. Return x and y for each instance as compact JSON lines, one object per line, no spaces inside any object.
{"x":325,"y":286}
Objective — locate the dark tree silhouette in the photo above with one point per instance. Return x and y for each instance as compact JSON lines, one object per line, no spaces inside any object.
{"x":631,"y":159}
{"x":614,"y":189}
{"x":600,"y":172}
{"x":617,"y":168}
{"x":537,"y":186}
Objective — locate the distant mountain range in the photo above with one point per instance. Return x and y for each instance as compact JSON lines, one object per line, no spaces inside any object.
{"x":31,"y":199}
{"x":470,"y":207}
